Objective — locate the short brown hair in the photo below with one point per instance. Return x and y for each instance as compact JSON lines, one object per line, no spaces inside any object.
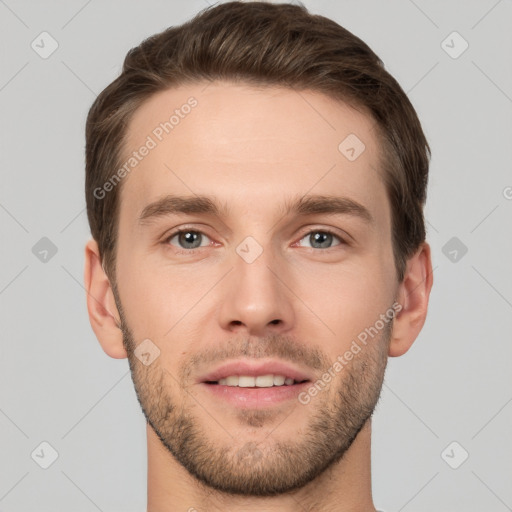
{"x":262,"y":44}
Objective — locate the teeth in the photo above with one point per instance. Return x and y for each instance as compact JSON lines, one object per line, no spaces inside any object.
{"x":279,"y":380}
{"x":261,"y":381}
{"x":245,"y":381}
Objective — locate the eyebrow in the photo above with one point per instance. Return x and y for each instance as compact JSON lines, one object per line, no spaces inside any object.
{"x":302,"y":206}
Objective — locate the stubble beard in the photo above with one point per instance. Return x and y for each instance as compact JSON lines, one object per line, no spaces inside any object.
{"x":267,"y":468}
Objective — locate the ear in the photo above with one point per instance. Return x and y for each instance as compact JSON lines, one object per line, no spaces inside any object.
{"x":103,"y":313}
{"x":413,"y":295}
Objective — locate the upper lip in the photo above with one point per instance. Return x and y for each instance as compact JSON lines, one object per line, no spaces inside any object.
{"x":252,"y":368}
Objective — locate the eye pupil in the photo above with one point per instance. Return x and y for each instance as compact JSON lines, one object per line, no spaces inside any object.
{"x":324,"y":239}
{"x":189,"y":237}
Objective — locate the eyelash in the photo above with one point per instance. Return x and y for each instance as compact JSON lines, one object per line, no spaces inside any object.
{"x":169,"y":237}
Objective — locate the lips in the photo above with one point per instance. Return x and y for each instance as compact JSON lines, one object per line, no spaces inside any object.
{"x":254,"y":369}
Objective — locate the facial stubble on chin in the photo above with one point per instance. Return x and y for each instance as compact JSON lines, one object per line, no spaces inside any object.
{"x":239,"y":467}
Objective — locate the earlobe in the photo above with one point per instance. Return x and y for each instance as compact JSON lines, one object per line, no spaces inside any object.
{"x":101,"y":306}
{"x":413,"y":296}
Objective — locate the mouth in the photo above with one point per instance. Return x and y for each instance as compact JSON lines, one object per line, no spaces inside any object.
{"x":250,"y":373}
{"x":247,"y":384}
{"x":258,"y":381}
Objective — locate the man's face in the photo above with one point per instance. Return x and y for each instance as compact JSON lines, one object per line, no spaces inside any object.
{"x":254,"y":284}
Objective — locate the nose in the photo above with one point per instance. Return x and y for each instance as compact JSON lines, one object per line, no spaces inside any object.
{"x":256,"y":298}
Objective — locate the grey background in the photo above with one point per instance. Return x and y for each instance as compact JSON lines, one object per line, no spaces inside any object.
{"x":57,"y":385}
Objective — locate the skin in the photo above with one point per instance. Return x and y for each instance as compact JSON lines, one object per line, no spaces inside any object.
{"x":299,"y":302}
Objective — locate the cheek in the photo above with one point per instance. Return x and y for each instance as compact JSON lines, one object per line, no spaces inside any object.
{"x":347,"y":299}
{"x":147,"y":299}
{"x":162,"y":302}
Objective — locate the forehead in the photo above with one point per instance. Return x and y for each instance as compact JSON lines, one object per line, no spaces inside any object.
{"x":250,"y":146}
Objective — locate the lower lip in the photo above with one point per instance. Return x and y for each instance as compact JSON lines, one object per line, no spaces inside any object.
{"x":255,"y":397}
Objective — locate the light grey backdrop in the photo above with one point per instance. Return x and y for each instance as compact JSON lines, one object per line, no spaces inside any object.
{"x":58,"y":387}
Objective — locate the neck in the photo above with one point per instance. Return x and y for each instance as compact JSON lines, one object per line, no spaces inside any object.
{"x":343,"y":487}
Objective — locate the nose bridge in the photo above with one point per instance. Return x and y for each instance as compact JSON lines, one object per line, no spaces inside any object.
{"x":254,"y":262}
{"x":256,"y":296}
